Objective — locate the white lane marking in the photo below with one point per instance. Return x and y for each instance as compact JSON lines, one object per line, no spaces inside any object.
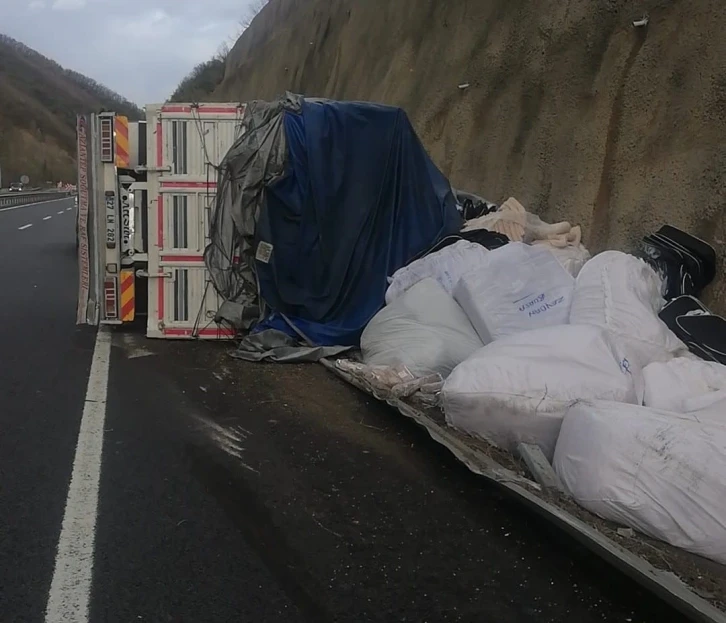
{"x":25,"y":226}
{"x":70,"y":589}
{"x":61,"y":212}
{"x":30,"y":205}
{"x":68,"y":209}
{"x":47,"y":218}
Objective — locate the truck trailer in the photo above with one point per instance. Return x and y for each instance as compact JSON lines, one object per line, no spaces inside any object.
{"x":146,"y":192}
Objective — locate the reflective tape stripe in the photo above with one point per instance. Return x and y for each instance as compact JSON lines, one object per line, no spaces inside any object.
{"x":121,"y":127}
{"x":128,"y":296}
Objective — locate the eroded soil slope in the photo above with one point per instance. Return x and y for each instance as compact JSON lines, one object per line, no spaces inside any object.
{"x":569,"y":107}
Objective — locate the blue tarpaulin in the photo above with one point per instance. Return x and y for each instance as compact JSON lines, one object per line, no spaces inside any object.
{"x":358,"y":199}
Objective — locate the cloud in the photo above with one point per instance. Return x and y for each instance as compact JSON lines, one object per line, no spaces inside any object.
{"x":151,"y":25}
{"x":36,"y":5}
{"x":68,"y":5}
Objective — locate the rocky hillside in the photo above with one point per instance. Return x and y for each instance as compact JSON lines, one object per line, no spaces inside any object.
{"x":40,"y":101}
{"x":569,"y":107}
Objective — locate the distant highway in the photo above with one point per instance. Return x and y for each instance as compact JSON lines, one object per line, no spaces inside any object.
{"x":9,"y":200}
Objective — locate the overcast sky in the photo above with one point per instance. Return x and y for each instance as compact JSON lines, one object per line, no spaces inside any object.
{"x":139,"y":48}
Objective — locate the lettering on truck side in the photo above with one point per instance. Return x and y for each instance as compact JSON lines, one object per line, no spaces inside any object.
{"x":125,"y":223}
{"x":110,"y":219}
{"x":82,"y":223}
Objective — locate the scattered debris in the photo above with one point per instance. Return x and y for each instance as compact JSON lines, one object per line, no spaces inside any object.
{"x":340,"y":536}
{"x":369,"y":426}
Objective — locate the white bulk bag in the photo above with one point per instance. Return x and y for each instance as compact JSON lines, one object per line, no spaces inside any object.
{"x":424,"y":330}
{"x":446,"y":266}
{"x":707,"y":406}
{"x":657,"y":472}
{"x":518,"y":388}
{"x":683,"y":384}
{"x":621,"y":293}
{"x":517,"y":288}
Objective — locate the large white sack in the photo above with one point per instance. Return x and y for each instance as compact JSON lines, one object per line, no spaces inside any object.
{"x":517,"y":288}
{"x":683,"y":384}
{"x":711,"y":406}
{"x":660,"y":473}
{"x":621,"y":293}
{"x":446,"y":266}
{"x":424,"y":330}
{"x":518,"y":388}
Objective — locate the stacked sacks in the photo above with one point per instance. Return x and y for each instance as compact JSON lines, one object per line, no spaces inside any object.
{"x":518,"y":388}
{"x":658,"y":468}
{"x":505,"y":291}
{"x":571,"y":375}
{"x":577,"y":391}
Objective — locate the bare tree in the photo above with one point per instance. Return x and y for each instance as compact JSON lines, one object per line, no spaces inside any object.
{"x":223,"y":52}
{"x":251,"y":13}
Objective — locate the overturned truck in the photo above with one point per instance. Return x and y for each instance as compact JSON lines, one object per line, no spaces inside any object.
{"x":591,"y":388}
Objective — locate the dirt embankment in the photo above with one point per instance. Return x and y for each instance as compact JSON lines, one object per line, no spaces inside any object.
{"x":569,"y":107}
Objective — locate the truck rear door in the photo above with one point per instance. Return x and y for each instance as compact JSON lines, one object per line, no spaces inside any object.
{"x":186,"y":144}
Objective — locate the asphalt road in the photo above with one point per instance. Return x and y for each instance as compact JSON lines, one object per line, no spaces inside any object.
{"x":235,"y":493}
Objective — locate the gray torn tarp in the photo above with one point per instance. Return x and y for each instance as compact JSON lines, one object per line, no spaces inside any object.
{"x":278,"y":347}
{"x":255,"y":160}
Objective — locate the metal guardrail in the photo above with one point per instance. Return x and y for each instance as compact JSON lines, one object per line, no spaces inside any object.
{"x":12,"y":199}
